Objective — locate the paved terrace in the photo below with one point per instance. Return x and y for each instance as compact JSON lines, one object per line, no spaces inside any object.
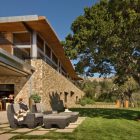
{"x":6,"y":132}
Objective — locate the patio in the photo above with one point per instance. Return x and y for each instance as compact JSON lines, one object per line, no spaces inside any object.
{"x":7,"y":133}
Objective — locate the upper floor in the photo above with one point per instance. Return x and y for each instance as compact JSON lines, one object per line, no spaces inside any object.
{"x":32,"y":37}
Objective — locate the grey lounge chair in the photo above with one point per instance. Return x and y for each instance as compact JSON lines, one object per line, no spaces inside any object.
{"x":31,"y":119}
{"x":50,"y":118}
{"x":74,"y":115}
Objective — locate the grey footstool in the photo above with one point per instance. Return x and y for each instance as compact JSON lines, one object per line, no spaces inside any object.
{"x":60,"y":120}
{"x":74,"y":115}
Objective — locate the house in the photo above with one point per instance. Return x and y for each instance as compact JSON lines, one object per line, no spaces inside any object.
{"x":32,"y":60}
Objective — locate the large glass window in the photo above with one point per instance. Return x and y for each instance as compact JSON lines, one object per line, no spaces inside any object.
{"x":21,"y":42}
{"x":40,"y":43}
{"x":47,"y":51}
{"x":54,"y":58}
{"x":6,"y":95}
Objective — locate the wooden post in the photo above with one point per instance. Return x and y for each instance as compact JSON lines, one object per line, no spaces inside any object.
{"x":118,"y":104}
{"x":126,"y":103}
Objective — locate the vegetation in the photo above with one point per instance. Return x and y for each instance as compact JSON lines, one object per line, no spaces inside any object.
{"x":126,"y":91}
{"x":84,"y":101}
{"x":106,"y":90}
{"x":36,"y":98}
{"x":105,"y":39}
{"x":99,"y":90}
{"x":100,"y":124}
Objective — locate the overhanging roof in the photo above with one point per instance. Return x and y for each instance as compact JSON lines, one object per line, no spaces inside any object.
{"x":42,"y":26}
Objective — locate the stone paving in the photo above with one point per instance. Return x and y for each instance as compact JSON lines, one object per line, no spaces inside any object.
{"x":6,"y":132}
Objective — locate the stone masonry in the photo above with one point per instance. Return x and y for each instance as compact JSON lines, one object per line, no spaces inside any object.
{"x":55,"y":89}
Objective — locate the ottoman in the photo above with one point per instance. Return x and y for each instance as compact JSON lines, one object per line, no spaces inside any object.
{"x":55,"y":119}
{"x":74,"y":115}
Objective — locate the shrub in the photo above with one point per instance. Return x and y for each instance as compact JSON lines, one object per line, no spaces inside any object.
{"x":85,"y":101}
{"x":36,"y":98}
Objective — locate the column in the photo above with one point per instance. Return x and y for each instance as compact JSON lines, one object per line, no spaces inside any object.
{"x":34,"y":45}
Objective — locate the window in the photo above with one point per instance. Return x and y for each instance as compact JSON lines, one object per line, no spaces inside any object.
{"x":71,"y":93}
{"x":54,"y":58}
{"x":47,"y":51}
{"x":77,"y":99}
{"x":40,"y":43}
{"x":63,"y":72}
{"x":65,"y":96}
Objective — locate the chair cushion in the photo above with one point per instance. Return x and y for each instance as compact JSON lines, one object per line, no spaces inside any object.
{"x":69,"y":113}
{"x":52,"y":116}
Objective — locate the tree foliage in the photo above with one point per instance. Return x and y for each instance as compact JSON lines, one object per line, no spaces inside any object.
{"x":98,"y":90}
{"x":105,"y":90}
{"x":127,"y":90}
{"x":106,"y":39}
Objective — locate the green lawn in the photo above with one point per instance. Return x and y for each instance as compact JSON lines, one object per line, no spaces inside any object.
{"x":101,"y":124}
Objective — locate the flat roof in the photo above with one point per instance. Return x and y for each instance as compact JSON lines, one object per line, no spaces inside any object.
{"x":41,"y":25}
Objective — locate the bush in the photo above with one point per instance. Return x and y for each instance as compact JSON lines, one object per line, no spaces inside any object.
{"x":85,"y":101}
{"x":36,"y":98}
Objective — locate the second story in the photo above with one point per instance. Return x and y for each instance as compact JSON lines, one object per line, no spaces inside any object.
{"x":32,"y":37}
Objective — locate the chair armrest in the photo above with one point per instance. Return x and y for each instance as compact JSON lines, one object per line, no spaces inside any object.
{"x":30,"y":117}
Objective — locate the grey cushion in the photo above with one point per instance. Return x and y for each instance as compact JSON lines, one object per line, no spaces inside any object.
{"x":69,"y":113}
{"x":52,"y":116}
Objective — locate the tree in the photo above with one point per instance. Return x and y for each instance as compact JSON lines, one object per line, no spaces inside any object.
{"x":106,"y":39}
{"x":89,"y":88}
{"x":126,"y":90}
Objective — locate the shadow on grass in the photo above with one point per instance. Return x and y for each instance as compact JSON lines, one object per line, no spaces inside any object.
{"x":108,"y":113}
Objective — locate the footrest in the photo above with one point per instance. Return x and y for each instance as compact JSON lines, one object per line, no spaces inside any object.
{"x":74,"y":115}
{"x":59,"y":120}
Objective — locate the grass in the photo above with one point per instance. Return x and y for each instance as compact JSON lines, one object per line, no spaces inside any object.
{"x":100,"y":124}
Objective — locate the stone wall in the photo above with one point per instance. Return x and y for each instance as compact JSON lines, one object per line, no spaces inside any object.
{"x":55,"y":90}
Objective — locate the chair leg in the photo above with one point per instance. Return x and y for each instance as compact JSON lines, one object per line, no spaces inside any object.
{"x":14,"y":126}
{"x":62,"y":126}
{"x":47,"y":125}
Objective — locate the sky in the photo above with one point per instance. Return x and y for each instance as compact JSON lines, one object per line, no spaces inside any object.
{"x":60,"y":13}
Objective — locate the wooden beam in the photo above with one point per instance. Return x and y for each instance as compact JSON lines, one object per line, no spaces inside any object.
{"x":22,"y":46}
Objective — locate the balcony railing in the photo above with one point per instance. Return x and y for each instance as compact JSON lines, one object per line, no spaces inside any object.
{"x":21,"y":53}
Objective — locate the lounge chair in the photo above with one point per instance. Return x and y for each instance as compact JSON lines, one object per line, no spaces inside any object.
{"x":51,"y":118}
{"x":31,"y":120}
{"x":38,"y":108}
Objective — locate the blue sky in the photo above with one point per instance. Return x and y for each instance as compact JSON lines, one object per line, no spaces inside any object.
{"x":60,"y":13}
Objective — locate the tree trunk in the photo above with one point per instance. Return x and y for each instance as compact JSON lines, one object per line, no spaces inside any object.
{"x":129,"y":94}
